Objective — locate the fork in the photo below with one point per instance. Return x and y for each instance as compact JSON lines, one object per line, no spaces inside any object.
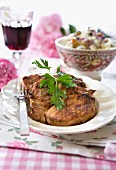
{"x":24,"y":126}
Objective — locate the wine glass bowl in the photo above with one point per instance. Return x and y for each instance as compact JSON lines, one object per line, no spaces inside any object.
{"x":16,"y":38}
{"x":85,"y":61}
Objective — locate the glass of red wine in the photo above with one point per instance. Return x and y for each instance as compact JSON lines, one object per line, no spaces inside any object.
{"x":16,"y":25}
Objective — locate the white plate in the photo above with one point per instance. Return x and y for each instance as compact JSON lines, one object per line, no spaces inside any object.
{"x":104,"y":95}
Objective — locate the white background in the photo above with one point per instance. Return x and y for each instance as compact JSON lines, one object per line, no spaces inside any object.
{"x":80,"y":13}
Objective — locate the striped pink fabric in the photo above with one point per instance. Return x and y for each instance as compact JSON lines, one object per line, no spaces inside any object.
{"x":15,"y":159}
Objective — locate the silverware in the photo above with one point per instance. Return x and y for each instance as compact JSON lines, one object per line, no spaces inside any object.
{"x":24,"y":126}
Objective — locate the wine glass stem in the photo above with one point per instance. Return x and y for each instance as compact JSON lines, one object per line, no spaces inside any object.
{"x":17,"y":61}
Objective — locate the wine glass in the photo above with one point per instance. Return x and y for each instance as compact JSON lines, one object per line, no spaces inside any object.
{"x":16,"y":26}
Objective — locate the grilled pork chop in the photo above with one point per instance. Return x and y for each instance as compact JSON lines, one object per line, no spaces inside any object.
{"x":80,"y":105}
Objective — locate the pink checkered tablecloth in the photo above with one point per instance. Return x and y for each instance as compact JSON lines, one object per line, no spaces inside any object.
{"x":17,"y":159}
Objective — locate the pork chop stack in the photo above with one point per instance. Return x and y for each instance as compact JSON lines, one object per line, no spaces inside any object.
{"x":79,"y":105}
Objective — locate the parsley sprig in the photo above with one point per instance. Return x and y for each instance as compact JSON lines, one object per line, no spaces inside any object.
{"x":71,"y":29}
{"x":52,"y":83}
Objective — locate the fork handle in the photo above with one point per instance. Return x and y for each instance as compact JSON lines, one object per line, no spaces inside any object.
{"x":24,"y":126}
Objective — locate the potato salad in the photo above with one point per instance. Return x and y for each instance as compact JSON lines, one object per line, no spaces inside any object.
{"x":89,"y":39}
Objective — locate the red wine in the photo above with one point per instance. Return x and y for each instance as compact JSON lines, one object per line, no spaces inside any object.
{"x":17,"y":38}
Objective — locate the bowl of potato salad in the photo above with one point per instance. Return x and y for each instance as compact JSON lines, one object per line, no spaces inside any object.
{"x":86,"y":51}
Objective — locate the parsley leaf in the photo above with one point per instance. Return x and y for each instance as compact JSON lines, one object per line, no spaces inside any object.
{"x":44,"y":62}
{"x":72,"y":28}
{"x":57,"y":98}
{"x":51,"y":82}
{"x":48,"y":81}
{"x":63,"y":31}
{"x":66,"y":80}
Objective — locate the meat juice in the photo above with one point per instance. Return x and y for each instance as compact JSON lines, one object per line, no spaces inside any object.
{"x":16,"y":38}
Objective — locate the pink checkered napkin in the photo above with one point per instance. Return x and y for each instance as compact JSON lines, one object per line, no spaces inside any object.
{"x":17,"y":159}
{"x":110,"y":150}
